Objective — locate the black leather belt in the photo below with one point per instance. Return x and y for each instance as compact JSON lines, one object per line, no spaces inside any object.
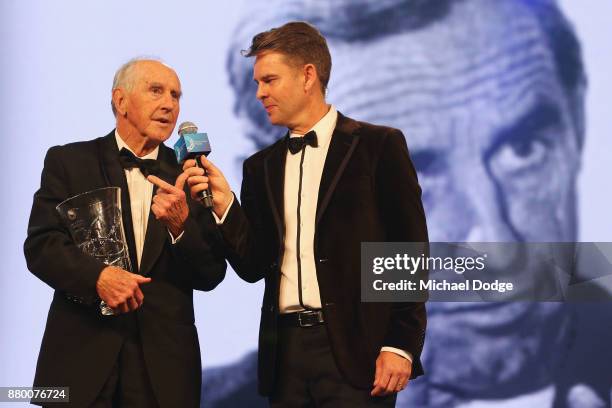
{"x":305,"y":318}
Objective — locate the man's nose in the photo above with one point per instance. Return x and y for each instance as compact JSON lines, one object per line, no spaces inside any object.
{"x":483,"y":201}
{"x":261,"y":92}
{"x":486,"y":208}
{"x":169,"y":102}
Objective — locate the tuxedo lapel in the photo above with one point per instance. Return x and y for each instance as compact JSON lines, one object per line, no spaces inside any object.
{"x":157,"y":234}
{"x":342,"y":144}
{"x":274,"y":173}
{"x":115,"y":177}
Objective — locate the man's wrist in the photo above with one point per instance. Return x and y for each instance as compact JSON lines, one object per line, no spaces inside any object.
{"x":222,"y":214}
{"x":220,"y":210}
{"x":403,"y":353}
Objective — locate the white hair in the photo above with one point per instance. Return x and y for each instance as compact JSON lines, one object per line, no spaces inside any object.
{"x":124,"y":77}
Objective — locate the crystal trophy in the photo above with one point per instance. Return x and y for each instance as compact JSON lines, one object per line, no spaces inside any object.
{"x":95,"y":224}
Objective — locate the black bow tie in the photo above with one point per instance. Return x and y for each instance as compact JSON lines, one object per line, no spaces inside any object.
{"x":296,"y":144}
{"x":128,"y":161}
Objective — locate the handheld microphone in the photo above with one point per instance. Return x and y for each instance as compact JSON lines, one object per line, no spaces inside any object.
{"x":192,"y":145}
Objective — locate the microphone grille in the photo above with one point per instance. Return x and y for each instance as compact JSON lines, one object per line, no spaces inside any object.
{"x":187,"y":128}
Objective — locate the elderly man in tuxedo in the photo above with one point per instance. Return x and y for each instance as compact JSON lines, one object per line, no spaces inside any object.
{"x":147,"y":353}
{"x":307,"y":203}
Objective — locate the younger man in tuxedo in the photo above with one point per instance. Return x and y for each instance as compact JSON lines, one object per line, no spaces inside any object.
{"x":308,"y":201}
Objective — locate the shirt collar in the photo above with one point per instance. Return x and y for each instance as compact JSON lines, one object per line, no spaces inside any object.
{"x":121,"y":144}
{"x":324,"y":127}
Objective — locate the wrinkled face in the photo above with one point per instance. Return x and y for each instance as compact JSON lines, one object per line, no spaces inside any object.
{"x":152,"y":106}
{"x":490,"y":132}
{"x":485,"y":118}
{"x":280,"y":88}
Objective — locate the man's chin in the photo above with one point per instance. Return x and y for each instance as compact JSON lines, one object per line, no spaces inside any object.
{"x":160,"y":136}
{"x":275,"y":120}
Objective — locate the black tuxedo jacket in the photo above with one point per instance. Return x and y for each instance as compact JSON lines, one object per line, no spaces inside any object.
{"x":368,"y":192}
{"x":80,"y":346}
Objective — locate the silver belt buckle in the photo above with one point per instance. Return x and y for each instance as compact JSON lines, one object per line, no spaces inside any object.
{"x":318,"y":313}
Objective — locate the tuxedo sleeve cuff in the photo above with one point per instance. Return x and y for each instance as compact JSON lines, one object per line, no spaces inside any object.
{"x":221,"y":220}
{"x":177,"y":239}
{"x":399,"y":352}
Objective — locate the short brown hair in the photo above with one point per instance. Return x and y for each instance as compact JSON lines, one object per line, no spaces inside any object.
{"x":299,"y":41}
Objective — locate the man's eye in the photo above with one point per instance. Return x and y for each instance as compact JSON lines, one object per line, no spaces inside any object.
{"x":526,"y":150}
{"x":156,"y":90}
{"x":522,"y":152}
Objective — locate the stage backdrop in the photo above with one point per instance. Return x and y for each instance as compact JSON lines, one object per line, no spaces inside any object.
{"x":57,"y":65}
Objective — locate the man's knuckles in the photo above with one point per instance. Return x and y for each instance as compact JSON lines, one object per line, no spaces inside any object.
{"x":113,"y":303}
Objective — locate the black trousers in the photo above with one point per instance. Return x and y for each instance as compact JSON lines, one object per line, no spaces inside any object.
{"x":307,"y":375}
{"x":128,"y":385}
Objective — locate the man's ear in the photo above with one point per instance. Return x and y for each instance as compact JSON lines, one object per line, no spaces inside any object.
{"x":120,"y":101}
{"x":311,"y":77}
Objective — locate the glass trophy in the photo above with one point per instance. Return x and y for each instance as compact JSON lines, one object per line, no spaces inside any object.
{"x":95,"y":224}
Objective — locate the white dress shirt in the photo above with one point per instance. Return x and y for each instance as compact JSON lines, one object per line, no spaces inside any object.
{"x":314,"y":159}
{"x":141,"y":192}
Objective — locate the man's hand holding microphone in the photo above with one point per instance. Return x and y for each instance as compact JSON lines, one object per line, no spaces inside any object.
{"x":208,"y":176}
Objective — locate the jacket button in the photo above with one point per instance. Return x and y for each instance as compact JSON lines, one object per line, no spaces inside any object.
{"x":323,"y":260}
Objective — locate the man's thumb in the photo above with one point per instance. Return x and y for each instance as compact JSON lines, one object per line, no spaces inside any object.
{"x":142,"y":279}
{"x":208,"y":165}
